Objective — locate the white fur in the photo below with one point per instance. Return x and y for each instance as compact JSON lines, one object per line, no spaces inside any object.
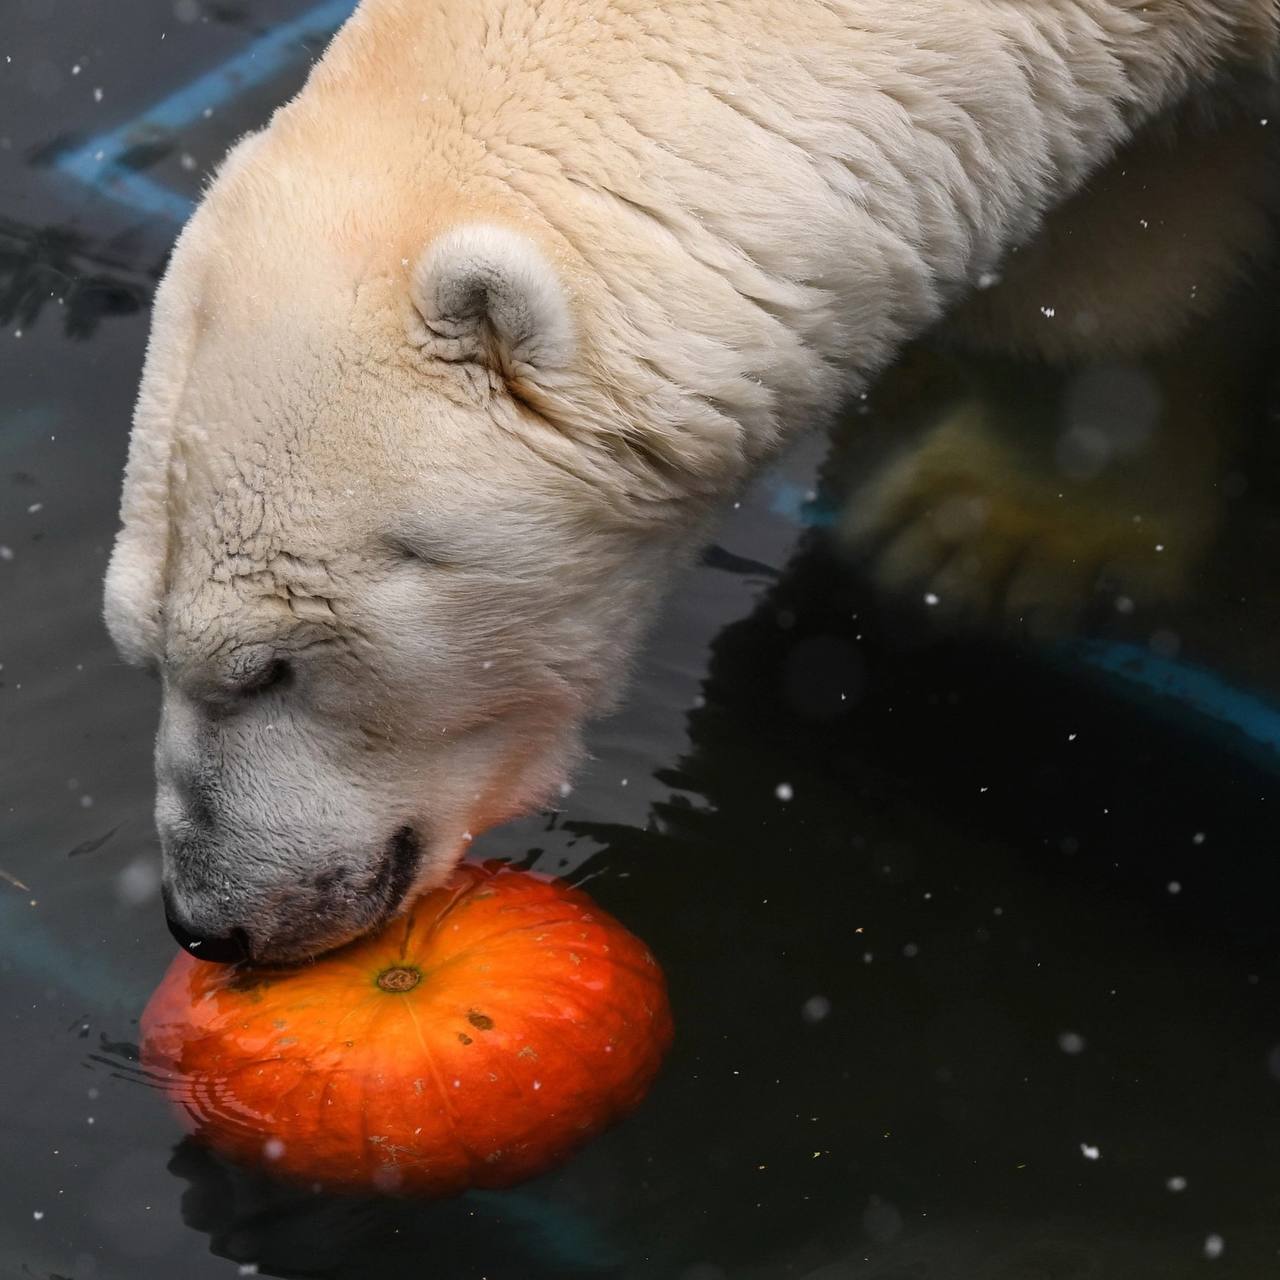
{"x":457,"y":356}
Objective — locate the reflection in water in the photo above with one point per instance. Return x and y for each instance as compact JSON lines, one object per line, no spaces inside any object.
{"x":286,"y":1231}
{"x":1071,"y":429}
{"x":953,"y":953}
{"x":60,"y":269}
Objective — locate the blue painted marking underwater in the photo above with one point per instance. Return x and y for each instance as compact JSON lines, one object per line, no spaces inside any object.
{"x":793,"y":503}
{"x":1186,"y":687}
{"x":96,"y":162}
{"x":1191,"y":688}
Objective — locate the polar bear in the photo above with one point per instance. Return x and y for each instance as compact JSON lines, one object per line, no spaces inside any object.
{"x":458,"y":356}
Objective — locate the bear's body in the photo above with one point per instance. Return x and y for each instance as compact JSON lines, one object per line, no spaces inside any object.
{"x":458,"y":355}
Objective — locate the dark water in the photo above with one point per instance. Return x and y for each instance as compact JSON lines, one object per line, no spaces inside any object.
{"x":987,"y":990}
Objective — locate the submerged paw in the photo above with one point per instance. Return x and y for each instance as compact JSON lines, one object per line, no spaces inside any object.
{"x":984,"y":538}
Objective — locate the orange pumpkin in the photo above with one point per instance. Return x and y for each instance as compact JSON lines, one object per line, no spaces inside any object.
{"x":474,"y":1041}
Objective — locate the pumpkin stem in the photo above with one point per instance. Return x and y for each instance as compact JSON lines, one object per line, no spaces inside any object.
{"x":399,"y":979}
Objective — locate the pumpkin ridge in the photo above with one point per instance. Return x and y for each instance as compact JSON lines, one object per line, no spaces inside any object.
{"x":487,"y":940}
{"x":611,"y":959}
{"x":541,"y":981}
{"x":286,"y":1104}
{"x":326,"y":1092}
{"x":366,"y":1138}
{"x":361,"y":1005}
{"x":558,"y":1041}
{"x":473,"y":1160}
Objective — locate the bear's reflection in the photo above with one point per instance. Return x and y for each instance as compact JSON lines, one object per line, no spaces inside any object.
{"x":1064,"y":441}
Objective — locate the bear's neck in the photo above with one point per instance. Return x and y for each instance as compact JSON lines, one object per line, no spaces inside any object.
{"x":763,"y":202}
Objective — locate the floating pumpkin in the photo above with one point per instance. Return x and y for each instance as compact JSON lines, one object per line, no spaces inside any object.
{"x":474,"y":1041}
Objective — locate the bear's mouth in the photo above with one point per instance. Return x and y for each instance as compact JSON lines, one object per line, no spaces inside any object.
{"x":399,"y":869}
{"x":382,"y":895}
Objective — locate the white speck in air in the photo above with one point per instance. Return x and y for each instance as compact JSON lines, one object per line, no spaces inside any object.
{"x":1071,"y":1042}
{"x":930,"y":599}
{"x":1214,"y":1246}
{"x":815,"y":1009}
{"x":1090,"y":1152}
{"x":97,"y":94}
{"x":37,"y":1214}
{"x":1175,"y":886}
{"x":1176,"y":1183}
{"x":138,"y":882}
{"x":784,"y":791}
{"x":273,"y":1149}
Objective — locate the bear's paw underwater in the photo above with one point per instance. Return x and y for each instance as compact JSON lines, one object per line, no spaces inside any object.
{"x":474,"y":1041}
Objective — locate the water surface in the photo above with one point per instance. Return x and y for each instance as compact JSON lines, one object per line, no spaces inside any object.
{"x":971,"y":943}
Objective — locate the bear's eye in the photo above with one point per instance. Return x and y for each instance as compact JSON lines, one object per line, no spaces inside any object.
{"x":275,"y":675}
{"x":421,"y":551}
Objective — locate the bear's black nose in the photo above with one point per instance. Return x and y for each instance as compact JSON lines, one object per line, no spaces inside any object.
{"x":217,"y":948}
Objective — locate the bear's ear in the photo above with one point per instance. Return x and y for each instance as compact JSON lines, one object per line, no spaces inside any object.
{"x":487,"y":293}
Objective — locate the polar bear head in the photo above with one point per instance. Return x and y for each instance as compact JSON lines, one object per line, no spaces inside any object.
{"x":378,"y":544}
